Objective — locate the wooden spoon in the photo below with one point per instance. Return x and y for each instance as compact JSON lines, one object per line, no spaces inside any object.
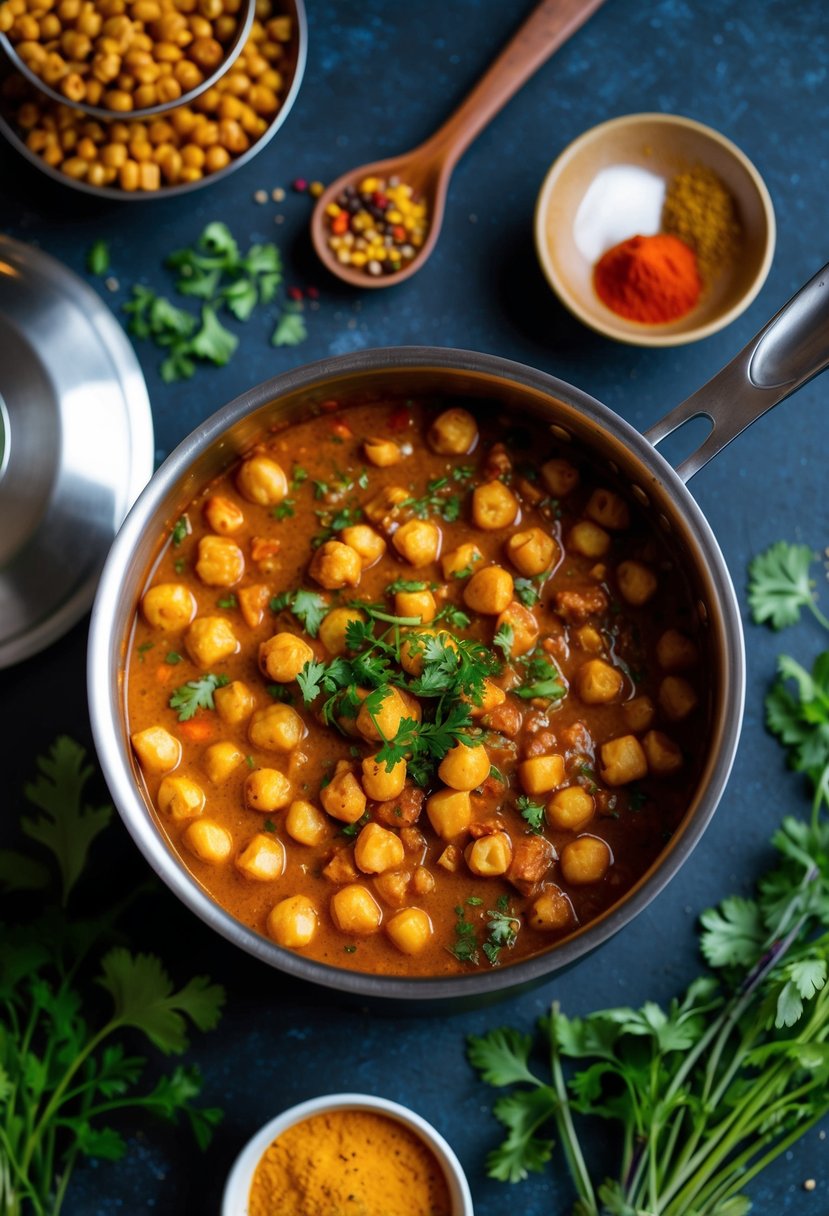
{"x":428,"y":168}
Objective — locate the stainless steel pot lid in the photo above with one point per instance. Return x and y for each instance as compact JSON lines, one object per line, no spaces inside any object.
{"x":76,"y":445}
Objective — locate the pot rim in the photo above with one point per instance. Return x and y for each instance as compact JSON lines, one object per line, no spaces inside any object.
{"x":104,"y":687}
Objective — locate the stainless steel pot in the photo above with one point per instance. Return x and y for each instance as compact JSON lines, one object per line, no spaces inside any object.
{"x":792,"y":348}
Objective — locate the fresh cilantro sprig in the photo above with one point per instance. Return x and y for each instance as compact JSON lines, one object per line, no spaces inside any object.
{"x":800,"y":719}
{"x":64,"y":1066}
{"x":195,"y":695}
{"x":542,"y":679}
{"x":531,"y":812}
{"x":780,"y":586}
{"x":308,"y":607}
{"x":504,"y":639}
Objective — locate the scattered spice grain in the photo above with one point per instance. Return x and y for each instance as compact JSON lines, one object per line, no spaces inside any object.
{"x":348,"y":1161}
{"x":260,"y":197}
{"x":701,"y":211}
{"x":652,"y":279}
{"x":809,"y":1184}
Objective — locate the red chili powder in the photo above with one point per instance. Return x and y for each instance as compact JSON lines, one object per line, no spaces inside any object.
{"x":653,"y":279}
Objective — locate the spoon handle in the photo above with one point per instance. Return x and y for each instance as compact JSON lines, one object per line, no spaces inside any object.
{"x":547,"y":28}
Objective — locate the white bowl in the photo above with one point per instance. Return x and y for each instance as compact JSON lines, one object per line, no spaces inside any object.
{"x":237,"y":1187}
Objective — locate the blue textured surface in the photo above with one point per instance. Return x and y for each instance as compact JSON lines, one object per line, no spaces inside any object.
{"x":380,"y":78}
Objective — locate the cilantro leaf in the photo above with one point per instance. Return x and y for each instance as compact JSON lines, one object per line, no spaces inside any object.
{"x":310,"y":609}
{"x":522,"y":1151}
{"x":97,"y":257}
{"x":66,"y":827}
{"x":800,"y":719}
{"x":527,"y":592}
{"x":531,"y":812}
{"x":544,"y":680}
{"x":502,"y":1057}
{"x":504,"y":639}
{"x":780,"y":586}
{"x":454,"y":616}
{"x":143,"y":996}
{"x":405,"y":584}
{"x":734,"y":933}
{"x":310,"y":680}
{"x":213,"y":342}
{"x":290,"y":329}
{"x":195,"y":695}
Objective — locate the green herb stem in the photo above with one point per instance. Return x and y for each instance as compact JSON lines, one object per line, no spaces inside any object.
{"x":566,"y":1128}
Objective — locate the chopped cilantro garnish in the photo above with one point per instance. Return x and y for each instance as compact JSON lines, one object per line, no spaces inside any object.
{"x":181,"y":529}
{"x":195,"y":695}
{"x":142,"y":650}
{"x":543,"y":680}
{"x":97,"y":258}
{"x":284,"y":509}
{"x":172,"y":657}
{"x":531,"y":812}
{"x":308,"y":607}
{"x":527,"y":592}
{"x":504,"y":639}
{"x":228,"y":601}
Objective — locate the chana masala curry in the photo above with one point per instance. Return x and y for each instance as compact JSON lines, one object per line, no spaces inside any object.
{"x":416,"y":690}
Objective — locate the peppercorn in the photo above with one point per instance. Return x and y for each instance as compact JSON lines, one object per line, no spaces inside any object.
{"x":377,"y":225}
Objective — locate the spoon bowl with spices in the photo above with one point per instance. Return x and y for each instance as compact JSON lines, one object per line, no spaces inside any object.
{"x":654,"y":230}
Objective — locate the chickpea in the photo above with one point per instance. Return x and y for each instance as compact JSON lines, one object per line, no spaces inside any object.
{"x":292,"y":923}
{"x":384,"y":721}
{"x":560,"y":477}
{"x":675,"y":651}
{"x":157,"y":749}
{"x":417,"y":604}
{"x":639,"y":713}
{"x":305,"y":823}
{"x":494,"y":506}
{"x":584,"y":860}
{"x":266,"y":790}
{"x":382,"y":452}
{"x":377,"y":849}
{"x":336,"y":565}
{"x":393,"y":887}
{"x":223,"y":515}
{"x":453,"y":433}
{"x":208,"y":841}
{"x":551,"y":911}
{"x":221,"y":760}
{"x":423,"y":881}
{"x":383,"y":508}
{"x":532,"y":552}
{"x":207,"y":53}
{"x":355,"y":911}
{"x":524,"y":627}
{"x":489,"y":591}
{"x":180,"y":798}
{"x":491,"y":698}
{"x":209,"y":640}
{"x":234,"y":702}
{"x":380,"y":783}
{"x":677,"y":697}
{"x":598,"y":682}
{"x":262,"y":858}
{"x":262,"y":481}
{"x":216,"y":158}
{"x":623,"y":761}
{"x":169,"y":606}
{"x":540,"y":774}
{"x":608,"y":509}
{"x":418,"y":542}
{"x":343,"y":797}
{"x":589,"y":639}
{"x":283,"y":657}
{"x":334,"y":627}
{"x":410,"y":930}
{"x":570,"y":809}
{"x":365,"y":541}
{"x":460,"y":563}
{"x":278,"y":728}
{"x":489,"y":856}
{"x":664,"y":756}
{"x":450,"y":812}
{"x":464,"y":768}
{"x":588,"y":539}
{"x":220,"y":562}
{"x":637,"y":582}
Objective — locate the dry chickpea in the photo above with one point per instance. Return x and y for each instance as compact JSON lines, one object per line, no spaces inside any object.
{"x":377,"y":850}
{"x":532,"y":552}
{"x":489,"y":591}
{"x":416,"y":604}
{"x":637,"y":582}
{"x":552,"y":910}
{"x":223,"y":515}
{"x":379,"y":452}
{"x":216,"y":158}
{"x":283,"y":657}
{"x":365,"y":541}
{"x":292,"y":923}
{"x":450,"y":812}
{"x":524,"y":626}
{"x":208,"y":841}
{"x":464,"y":768}
{"x":461,"y":562}
{"x":266,"y":790}
{"x":584,"y":860}
{"x":332,"y":632}
{"x":169,"y":606}
{"x":588,"y":539}
{"x":489,"y":856}
{"x":560,"y":477}
{"x":355,"y":911}
{"x":209,"y":640}
{"x":598,"y":682}
{"x":453,"y":433}
{"x":570,"y":808}
{"x":180,"y":798}
{"x":277,"y":728}
{"x":262,"y":858}
{"x":418,"y":542}
{"x":220,"y":562}
{"x":410,"y":930}
{"x":494,"y":506}
{"x":336,"y":565}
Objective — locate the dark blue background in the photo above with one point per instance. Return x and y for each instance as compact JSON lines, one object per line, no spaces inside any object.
{"x":380,"y":77}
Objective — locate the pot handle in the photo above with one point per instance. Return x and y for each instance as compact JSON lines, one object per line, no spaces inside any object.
{"x":787,"y":352}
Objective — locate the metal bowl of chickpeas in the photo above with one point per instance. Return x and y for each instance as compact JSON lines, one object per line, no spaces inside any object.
{"x":130,"y":151}
{"x":492,"y":552}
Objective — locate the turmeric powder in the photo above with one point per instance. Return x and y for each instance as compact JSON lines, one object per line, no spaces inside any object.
{"x":348,"y":1163}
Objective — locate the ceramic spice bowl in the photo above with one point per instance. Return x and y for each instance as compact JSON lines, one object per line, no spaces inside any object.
{"x":237,"y":1189}
{"x":610,"y":184}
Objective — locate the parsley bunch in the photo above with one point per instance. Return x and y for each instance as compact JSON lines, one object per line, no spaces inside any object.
{"x":64,"y":1071}
{"x":707,"y":1092}
{"x":217,"y":273}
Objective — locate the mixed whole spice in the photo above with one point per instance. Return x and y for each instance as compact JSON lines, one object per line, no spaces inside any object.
{"x":377,"y":226}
